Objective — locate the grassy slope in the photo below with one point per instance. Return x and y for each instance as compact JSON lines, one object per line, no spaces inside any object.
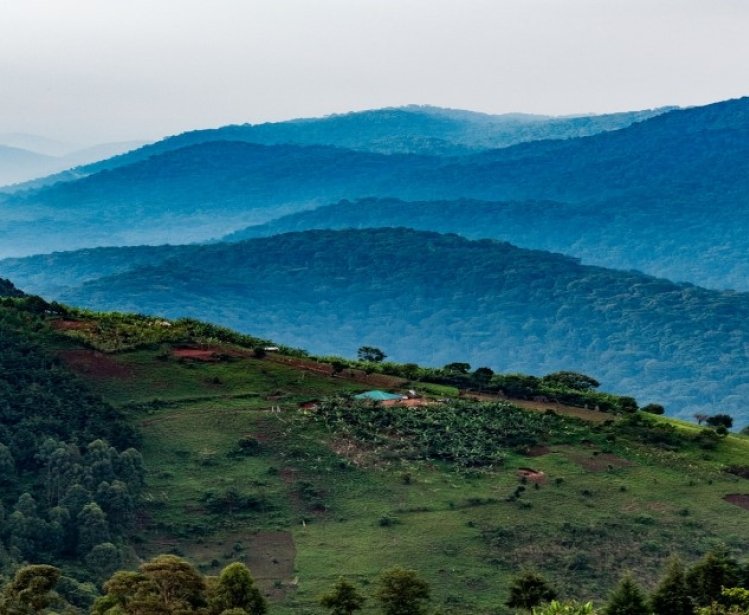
{"x":455,"y":527}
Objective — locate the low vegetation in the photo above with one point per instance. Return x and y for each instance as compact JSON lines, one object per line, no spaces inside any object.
{"x":466,"y":492}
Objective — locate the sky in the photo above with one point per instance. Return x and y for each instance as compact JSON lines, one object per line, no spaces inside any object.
{"x":88,"y":71}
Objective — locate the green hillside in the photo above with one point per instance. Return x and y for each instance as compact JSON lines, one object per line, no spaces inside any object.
{"x":466,"y":492}
{"x":433,"y":299}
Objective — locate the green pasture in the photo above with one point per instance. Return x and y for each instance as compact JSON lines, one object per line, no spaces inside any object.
{"x":304,"y":505}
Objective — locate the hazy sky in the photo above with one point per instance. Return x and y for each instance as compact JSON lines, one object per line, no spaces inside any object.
{"x":91,"y":70}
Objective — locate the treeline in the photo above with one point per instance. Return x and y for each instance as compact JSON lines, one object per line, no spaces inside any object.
{"x":167,"y":585}
{"x":70,"y":474}
{"x":564,"y":387}
{"x":716,"y":585}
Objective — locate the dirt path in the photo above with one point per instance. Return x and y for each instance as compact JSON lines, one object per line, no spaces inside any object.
{"x":94,"y":364}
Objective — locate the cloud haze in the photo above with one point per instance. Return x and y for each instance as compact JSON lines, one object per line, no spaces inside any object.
{"x":91,"y":70}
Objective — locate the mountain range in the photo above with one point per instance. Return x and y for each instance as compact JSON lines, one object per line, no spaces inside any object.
{"x":635,"y":197}
{"x":24,"y":158}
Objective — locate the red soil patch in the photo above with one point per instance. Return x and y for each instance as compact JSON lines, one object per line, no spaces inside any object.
{"x":379,"y":381}
{"x":206,"y":353}
{"x":299,"y":363}
{"x":738,"y":499}
{"x":196,"y":354}
{"x":600,"y":462}
{"x":535,"y":476}
{"x":94,"y":364}
{"x":72,"y":325}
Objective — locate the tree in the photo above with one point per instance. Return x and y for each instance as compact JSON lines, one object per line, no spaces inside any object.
{"x":410,"y":371}
{"x":76,"y":497}
{"x":343,"y":599}
{"x":26,"y":505}
{"x":338,"y":366}
{"x":370,"y":354}
{"x":457,"y":369}
{"x":528,"y":590}
{"x":627,"y":404}
{"x":707,"y":578}
{"x":7,"y":467}
{"x":103,"y":560}
{"x":117,"y":503}
{"x":735,"y":602}
{"x":165,"y":585}
{"x":93,"y":528}
{"x":654,"y":409}
{"x":720,"y":420}
{"x":130,"y":469}
{"x":31,"y":590}
{"x":627,"y":599}
{"x":671,"y":597}
{"x":120,"y":592}
{"x":403,"y":592}
{"x":235,"y":589}
{"x":571,"y":380}
{"x":482,"y":376}
{"x":737,"y":597}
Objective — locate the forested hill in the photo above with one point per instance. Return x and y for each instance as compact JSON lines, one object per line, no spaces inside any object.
{"x":639,"y":235}
{"x":432,"y":298}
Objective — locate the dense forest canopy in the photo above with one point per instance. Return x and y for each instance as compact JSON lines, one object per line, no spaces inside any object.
{"x":619,"y":234}
{"x":69,"y":475}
